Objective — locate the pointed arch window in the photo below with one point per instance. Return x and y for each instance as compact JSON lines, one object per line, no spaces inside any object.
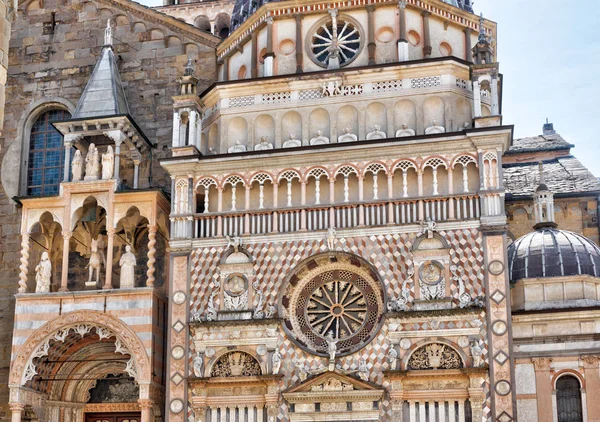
{"x":568,"y":399}
{"x":46,"y":152}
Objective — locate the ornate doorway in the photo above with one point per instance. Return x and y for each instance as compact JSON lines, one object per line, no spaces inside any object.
{"x":113,"y":417}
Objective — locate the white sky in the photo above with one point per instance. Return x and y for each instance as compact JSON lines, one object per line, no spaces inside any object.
{"x":549,"y":54}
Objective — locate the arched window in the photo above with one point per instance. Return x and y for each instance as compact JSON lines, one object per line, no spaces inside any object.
{"x":568,"y":399}
{"x":45,"y":160}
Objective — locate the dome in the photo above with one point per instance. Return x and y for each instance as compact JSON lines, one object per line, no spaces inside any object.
{"x":242,"y":9}
{"x":549,"y":252}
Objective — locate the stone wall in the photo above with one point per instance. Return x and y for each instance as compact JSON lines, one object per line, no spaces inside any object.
{"x":52,"y":53}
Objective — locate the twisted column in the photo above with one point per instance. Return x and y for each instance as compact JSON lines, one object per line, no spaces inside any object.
{"x":151,"y":253}
{"x":23,"y":268}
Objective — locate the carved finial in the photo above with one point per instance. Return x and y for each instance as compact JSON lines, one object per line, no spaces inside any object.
{"x":108,"y":38}
{"x":402,"y":4}
{"x":482,"y":36}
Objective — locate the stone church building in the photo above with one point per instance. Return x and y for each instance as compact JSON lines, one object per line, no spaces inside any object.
{"x":281,"y":211}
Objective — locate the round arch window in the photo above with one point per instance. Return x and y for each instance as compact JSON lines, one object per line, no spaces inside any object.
{"x":333,"y":296}
{"x":343,"y":40}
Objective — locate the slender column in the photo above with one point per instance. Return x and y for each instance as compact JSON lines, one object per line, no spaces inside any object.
{"x":318,"y":190}
{"x":176,"y":123}
{"x":146,"y":409}
{"x":289,"y":193}
{"x":476,"y":99}
{"x":450,"y":181}
{"x":420,"y":182}
{"x":233,"y":197}
{"x":151,"y":253}
{"x":331,"y":201}
{"x":299,"y":49}
{"x":213,"y":414}
{"x":426,"y":35}
{"x":402,"y":38}
{"x":465,"y":175}
{"x":226,"y":68}
{"x":500,"y":174}
{"x":68,"y":146}
{"x":259,"y":413}
{"x":371,"y":40}
{"x":303,"y":193}
{"x":495,"y":99}
{"x":405,"y":183}
{"x":24,"y":267}
{"x":412,"y":411}
{"x":136,"y":173}
{"x":269,"y":56}
{"x":346,"y":189}
{"x":481,"y":170}
{"x":193,"y":132}
{"x":64,"y":276}
{"x":468,"y":46}
{"x":254,"y":56}
{"x":275,"y":204}
{"x":461,"y":411}
{"x":247,"y":198}
{"x":117,"y":158}
{"x":451,"y":411}
{"x":435,"y":182}
{"x":422,"y":414}
{"x":442,"y":411}
{"x":16,"y":410}
{"x":110,"y":233}
{"x":219,"y":199}
{"x":390,"y":185}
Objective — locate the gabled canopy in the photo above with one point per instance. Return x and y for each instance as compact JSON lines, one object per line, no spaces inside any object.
{"x":103,"y":95}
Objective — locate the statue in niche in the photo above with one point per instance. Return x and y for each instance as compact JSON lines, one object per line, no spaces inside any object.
{"x":434,"y":128}
{"x":347,"y":136}
{"x":405,"y":131}
{"x":198,"y":365}
{"x":77,"y":166}
{"x":319,"y":139}
{"x":302,"y":371}
{"x":477,"y":354}
{"x":331,"y":238}
{"x":108,"y":163}
{"x":96,"y":260}
{"x":331,"y":349}
{"x":276,"y":359}
{"x":264,"y":145}
{"x":464,"y":298}
{"x":237,"y":147}
{"x":292,"y":142}
{"x":43,"y":273}
{"x":127,"y":263}
{"x":92,"y":163}
{"x":392,"y":358}
{"x":376,"y":134}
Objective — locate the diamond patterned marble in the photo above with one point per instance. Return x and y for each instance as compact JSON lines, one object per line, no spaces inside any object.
{"x":498,"y":297}
{"x":501,"y":357}
{"x":177,"y":378}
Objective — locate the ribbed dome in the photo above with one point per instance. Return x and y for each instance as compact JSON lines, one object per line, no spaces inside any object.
{"x":243,"y":9}
{"x":550,"y":252}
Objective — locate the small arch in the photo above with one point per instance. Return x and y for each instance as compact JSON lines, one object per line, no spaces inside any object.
{"x":568,"y":372}
{"x":229,"y":363}
{"x":264,"y":125}
{"x":458,"y":360}
{"x":174,"y":41}
{"x":405,"y":112}
{"x":202,"y":22}
{"x":376,"y":116}
{"x":213,"y":138}
{"x":347,"y":117}
{"x":222,"y":22}
{"x":233,"y":180}
{"x":242,"y":72}
{"x":434,"y":110}
{"x":319,"y":120}
{"x":375,"y":167}
{"x":156,"y":34}
{"x":121,"y":20}
{"x":139,"y":27}
{"x":237,"y":129}
{"x":191,"y":50}
{"x":434,"y":162}
{"x":291,"y":124}
{"x":569,"y":403}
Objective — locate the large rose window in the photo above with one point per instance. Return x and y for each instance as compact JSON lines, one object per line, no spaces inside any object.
{"x":333,"y":295}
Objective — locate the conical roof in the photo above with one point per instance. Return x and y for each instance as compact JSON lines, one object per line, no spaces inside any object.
{"x":103,"y":95}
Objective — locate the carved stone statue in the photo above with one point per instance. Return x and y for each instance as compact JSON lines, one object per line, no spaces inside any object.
{"x":127,"y":263}
{"x":477,"y":354}
{"x":43,"y":273}
{"x":331,"y":238}
{"x":276,"y":359}
{"x":302,"y":372}
{"x":292,"y":142}
{"x":464,"y":298}
{"x":431,"y":278}
{"x":198,"y":365}
{"x":92,"y":163}
{"x":347,"y":136}
{"x":237,"y":147}
{"x":428,"y":227}
{"x":405,"y":131}
{"x":234,"y":242}
{"x":319,"y":139}
{"x":264,"y":145}
{"x":108,"y":163}
{"x":377,"y":133}
{"x":434,"y":128}
{"x":401,"y":303}
{"x":392,"y":358}
{"x":363,"y":370}
{"x":77,"y":166}
{"x":95,"y":262}
{"x":271,"y":310}
{"x":211,"y":308}
{"x":331,"y":349}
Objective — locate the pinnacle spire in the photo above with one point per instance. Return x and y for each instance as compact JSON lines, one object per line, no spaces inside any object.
{"x":108,"y":37}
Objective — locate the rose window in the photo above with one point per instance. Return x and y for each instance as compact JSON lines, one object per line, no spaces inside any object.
{"x":332,"y":298}
{"x":336,"y":40}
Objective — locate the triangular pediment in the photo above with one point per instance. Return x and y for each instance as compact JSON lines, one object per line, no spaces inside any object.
{"x":329,"y":382}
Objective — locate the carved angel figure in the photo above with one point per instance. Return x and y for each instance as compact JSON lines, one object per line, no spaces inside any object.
{"x":198,"y":365}
{"x":43,"y":273}
{"x":276,"y":360}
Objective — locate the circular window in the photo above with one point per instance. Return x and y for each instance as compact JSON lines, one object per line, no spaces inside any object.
{"x":341,"y":41}
{"x":385,"y":35}
{"x":338,"y":296}
{"x":414,"y":38}
{"x":287,"y":47}
{"x":445,"y":49}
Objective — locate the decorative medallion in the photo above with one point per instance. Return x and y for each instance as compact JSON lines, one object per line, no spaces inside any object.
{"x":177,"y":352}
{"x":235,"y":292}
{"x":431,"y":273}
{"x":176,"y":406}
{"x":210,"y":352}
{"x":499,"y":327}
{"x":463,"y":341}
{"x":261,"y":350}
{"x":503,"y":387}
{"x":236,"y":364}
{"x":179,"y":298}
{"x":405,"y":344}
{"x":333,"y":295}
{"x":496,"y":267}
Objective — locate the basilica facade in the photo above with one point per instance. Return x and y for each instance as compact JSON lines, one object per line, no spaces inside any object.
{"x":286,"y":211}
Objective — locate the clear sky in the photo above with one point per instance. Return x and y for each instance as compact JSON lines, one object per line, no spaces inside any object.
{"x":549,"y":53}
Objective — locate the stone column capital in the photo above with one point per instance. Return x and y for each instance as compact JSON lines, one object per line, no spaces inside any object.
{"x":145,"y":404}
{"x":16,"y":407}
{"x":152,"y":228}
{"x":590,"y":361}
{"x":67,"y":234}
{"x":541,"y":364}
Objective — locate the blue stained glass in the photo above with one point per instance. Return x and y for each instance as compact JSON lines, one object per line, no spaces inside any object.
{"x":34,"y":178}
{"x":51,"y":176}
{"x":34,"y":191}
{"x":37,"y":141}
{"x":54,"y":140}
{"x":36,"y":160}
{"x":53,"y":158}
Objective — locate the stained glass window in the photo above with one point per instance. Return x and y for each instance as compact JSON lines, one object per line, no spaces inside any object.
{"x":45,"y":167}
